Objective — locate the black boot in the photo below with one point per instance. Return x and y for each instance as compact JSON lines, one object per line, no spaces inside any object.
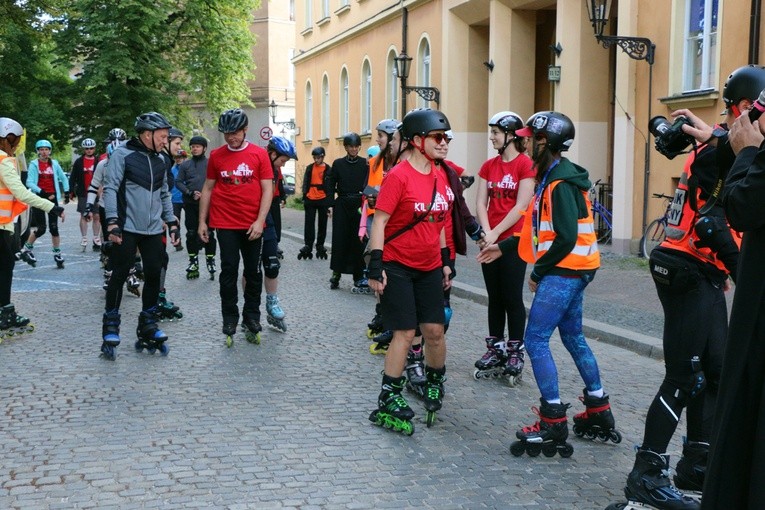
{"x":692,"y":466}
{"x":649,"y":484}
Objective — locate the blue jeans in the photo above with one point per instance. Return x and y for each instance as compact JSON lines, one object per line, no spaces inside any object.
{"x":558,"y":304}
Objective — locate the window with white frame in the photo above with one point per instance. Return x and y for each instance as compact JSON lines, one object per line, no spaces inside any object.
{"x":423,"y":74}
{"x":325,"y":108}
{"x":700,"y":50}
{"x":392,"y":105}
{"x":324,"y":9}
{"x":366,"y":97}
{"x":308,"y":13}
{"x":308,"y":111}
{"x":344,"y":101}
{"x":292,"y":10}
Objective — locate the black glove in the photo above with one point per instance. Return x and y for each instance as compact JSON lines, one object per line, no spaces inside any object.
{"x":474,"y":230}
{"x":374,"y":268}
{"x":88,"y":211}
{"x":446,"y":261}
{"x":57,"y":210}
{"x":174,"y":230}
{"x":66,"y":197}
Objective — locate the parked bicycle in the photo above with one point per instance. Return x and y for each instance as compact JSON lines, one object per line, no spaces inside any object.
{"x":656,"y":231}
{"x":601,"y":216}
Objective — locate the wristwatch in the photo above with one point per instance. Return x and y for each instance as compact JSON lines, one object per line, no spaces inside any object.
{"x":717,"y":132}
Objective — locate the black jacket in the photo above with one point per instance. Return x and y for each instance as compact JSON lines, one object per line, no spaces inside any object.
{"x":325,"y":185}
{"x":77,"y":177}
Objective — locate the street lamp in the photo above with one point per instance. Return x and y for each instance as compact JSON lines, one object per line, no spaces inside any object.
{"x":637,"y":48}
{"x":403,"y":65}
{"x":290,"y":124}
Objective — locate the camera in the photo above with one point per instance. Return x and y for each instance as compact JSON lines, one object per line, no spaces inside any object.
{"x":670,"y":138}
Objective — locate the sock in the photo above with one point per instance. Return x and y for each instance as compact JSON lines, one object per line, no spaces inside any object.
{"x":597,"y":393}
{"x":553,"y":401}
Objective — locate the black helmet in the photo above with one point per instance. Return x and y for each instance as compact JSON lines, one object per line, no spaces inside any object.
{"x":318,"y":151}
{"x":506,"y":121}
{"x":558,"y":129}
{"x":198,"y":140}
{"x":422,"y":121}
{"x":352,"y":140}
{"x":744,"y":83}
{"x":151,"y":121}
{"x":232,"y":121}
{"x":175,"y":133}
{"x":388,"y":126}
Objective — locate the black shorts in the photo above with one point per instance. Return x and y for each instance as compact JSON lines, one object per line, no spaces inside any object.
{"x":82,"y":202}
{"x":412,"y":297}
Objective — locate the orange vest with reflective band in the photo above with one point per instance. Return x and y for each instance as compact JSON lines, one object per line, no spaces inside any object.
{"x":681,"y":219}
{"x":535,"y":240}
{"x":10,"y":207}
{"x":317,"y":179}
{"x":376,"y":171}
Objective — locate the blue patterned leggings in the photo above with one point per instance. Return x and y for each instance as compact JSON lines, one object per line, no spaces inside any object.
{"x":558,"y":304}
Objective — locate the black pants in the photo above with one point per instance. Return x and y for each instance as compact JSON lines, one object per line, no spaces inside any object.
{"x":504,"y":279}
{"x":276,"y":215}
{"x":122,"y":258}
{"x":7,"y":261}
{"x":38,"y":218}
{"x":232,"y":243}
{"x":193,"y":242}
{"x":177,"y":210}
{"x":309,"y":230}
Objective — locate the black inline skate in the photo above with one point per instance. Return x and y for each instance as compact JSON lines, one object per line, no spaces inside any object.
{"x":381,"y":342}
{"x":514,"y":369}
{"x":415,"y":371}
{"x":252,"y":329}
{"x":229,"y":329}
{"x":150,"y":337}
{"x":547,"y":436}
{"x":26,"y":255}
{"x":211,"y":266}
{"x":192,"y":270}
{"x":334,"y":281}
{"x":58,"y":258}
{"x":13,"y":324}
{"x":305,"y":253}
{"x":97,"y":244}
{"x":648,"y":486}
{"x":133,"y":283}
{"x":494,"y":360}
{"x":110,"y":331}
{"x":434,"y":392}
{"x":167,"y":310}
{"x":321,"y":252}
{"x":596,"y":420}
{"x":361,"y":286}
{"x":375,"y":326}
{"x":691,"y":469}
{"x":393,"y":411}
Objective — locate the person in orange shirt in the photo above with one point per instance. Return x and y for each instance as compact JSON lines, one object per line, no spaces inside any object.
{"x":316,"y":202}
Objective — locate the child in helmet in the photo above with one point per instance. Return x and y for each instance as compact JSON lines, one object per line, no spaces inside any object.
{"x":316,"y":202}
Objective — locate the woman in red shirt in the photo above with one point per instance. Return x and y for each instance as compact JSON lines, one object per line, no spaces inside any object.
{"x":505,"y":188}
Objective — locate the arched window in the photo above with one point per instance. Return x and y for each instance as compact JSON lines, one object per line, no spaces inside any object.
{"x":423,"y":70}
{"x":344,"y":101}
{"x":325,"y":108}
{"x":392,"y":87}
{"x":308,"y":112}
{"x":366,"y":97}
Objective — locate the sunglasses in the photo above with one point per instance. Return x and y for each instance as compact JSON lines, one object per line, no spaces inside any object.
{"x":540,"y":137}
{"x":439,"y":137}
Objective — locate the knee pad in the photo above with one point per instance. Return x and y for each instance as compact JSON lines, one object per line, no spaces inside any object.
{"x":40,"y":231}
{"x":271,"y":266}
{"x":684,"y":388}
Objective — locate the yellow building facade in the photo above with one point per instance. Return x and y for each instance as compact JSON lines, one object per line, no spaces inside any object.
{"x":485,"y":56}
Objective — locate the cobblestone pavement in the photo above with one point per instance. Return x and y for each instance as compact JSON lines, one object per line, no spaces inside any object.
{"x":278,"y":425}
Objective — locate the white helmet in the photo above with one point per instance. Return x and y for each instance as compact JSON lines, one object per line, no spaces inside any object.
{"x":88,"y":143}
{"x":10,"y":127}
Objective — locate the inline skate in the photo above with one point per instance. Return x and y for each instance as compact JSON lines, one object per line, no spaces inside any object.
{"x":133,"y":283}
{"x":361,"y":286}
{"x":84,"y":244}
{"x":547,"y":436}
{"x":381,"y":342}
{"x":596,"y":420}
{"x":415,"y":371}
{"x":691,"y":469}
{"x":211,"y":266}
{"x":514,"y":369}
{"x":252,"y":329}
{"x":58,"y":258}
{"x":648,"y":486}
{"x":192,"y":271}
{"x":494,"y":360}
{"x":321,"y":252}
{"x":97,"y":244}
{"x":167,"y":310}
{"x":107,"y":277}
{"x":305,"y":253}
{"x":229,"y":329}
{"x":433,"y":396}
{"x":26,"y":255}
{"x":375,"y":326}
{"x":393,"y":411}
{"x":275,"y":314}
{"x":110,"y":331}
{"x":334,"y":281}
{"x":13,"y":324}
{"x":150,"y":337}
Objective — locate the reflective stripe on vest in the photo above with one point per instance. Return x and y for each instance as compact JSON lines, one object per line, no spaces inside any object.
{"x":585,"y":254}
{"x":10,"y":207}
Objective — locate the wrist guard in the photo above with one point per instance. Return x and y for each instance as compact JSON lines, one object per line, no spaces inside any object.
{"x":57,"y":210}
{"x":446,"y":261}
{"x":374,"y":268}
{"x":474,"y":230}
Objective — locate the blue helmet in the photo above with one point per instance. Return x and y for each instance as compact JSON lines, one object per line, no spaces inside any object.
{"x":282,"y":146}
{"x":43,"y":143}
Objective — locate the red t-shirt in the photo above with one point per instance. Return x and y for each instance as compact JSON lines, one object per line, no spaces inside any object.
{"x":405,"y":195}
{"x":45,"y":177}
{"x":502,"y":181}
{"x":235,"y":199}
{"x":88,"y":167}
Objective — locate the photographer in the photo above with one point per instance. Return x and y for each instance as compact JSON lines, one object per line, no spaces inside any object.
{"x":690,"y":270}
{"x":736,"y":461}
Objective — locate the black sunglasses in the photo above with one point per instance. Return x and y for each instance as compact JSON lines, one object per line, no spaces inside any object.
{"x":439,"y":137}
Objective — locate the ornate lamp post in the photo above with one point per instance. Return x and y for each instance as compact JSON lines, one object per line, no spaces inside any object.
{"x":290,"y":124}
{"x":403,"y":66}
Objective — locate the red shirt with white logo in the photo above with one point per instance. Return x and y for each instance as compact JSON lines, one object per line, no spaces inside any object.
{"x":88,"y":167}
{"x":406,"y":195}
{"x":45,"y":177}
{"x":502,"y":180}
{"x":235,"y":199}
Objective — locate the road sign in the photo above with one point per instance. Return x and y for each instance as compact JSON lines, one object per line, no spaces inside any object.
{"x":266,"y":133}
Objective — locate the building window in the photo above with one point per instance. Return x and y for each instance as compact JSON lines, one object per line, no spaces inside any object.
{"x":308,"y":112}
{"x":392,"y":104}
{"x":292,"y":10}
{"x":423,"y":70}
{"x":308,"y":13}
{"x":325,"y":9}
{"x":325,"y":108}
{"x":344,"y":101}
{"x":366,"y":98}
{"x":700,"y":51}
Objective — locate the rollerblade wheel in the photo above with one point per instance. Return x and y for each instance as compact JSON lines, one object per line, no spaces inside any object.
{"x":578,"y":430}
{"x":229,"y":341}
{"x":252,"y":338}
{"x":370,"y":334}
{"x":138,"y":346}
{"x":616,"y":506}
{"x":616,"y":436}
{"x":430,"y":418}
{"x":514,"y":380}
{"x":549,"y":450}
{"x":517,"y":448}
{"x":533,"y":449}
{"x":478,"y":375}
{"x":164,"y":350}
{"x":566,"y":450}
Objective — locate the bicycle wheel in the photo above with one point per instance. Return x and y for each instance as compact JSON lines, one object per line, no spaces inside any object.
{"x":653,"y":236}
{"x":602,"y":225}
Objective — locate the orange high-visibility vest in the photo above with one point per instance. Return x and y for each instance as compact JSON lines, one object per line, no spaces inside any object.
{"x":376,"y":170}
{"x":10,"y":207}
{"x":531,"y":247}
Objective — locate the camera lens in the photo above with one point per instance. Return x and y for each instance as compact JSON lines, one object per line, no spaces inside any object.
{"x":658,"y":125}
{"x":757,"y":107}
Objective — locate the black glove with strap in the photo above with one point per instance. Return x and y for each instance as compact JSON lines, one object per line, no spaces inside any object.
{"x":374,"y":268}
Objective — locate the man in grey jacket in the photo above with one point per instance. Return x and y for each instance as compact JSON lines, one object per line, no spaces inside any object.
{"x":137,"y":202}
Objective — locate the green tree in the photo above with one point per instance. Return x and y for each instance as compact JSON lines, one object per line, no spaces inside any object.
{"x":161,"y":55}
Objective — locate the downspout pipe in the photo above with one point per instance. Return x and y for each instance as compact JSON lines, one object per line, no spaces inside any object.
{"x":754,"y":31}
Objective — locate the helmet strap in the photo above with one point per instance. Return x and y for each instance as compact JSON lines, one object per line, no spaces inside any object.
{"x":504,"y":146}
{"x":422,"y":150}
{"x":734,"y":109}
